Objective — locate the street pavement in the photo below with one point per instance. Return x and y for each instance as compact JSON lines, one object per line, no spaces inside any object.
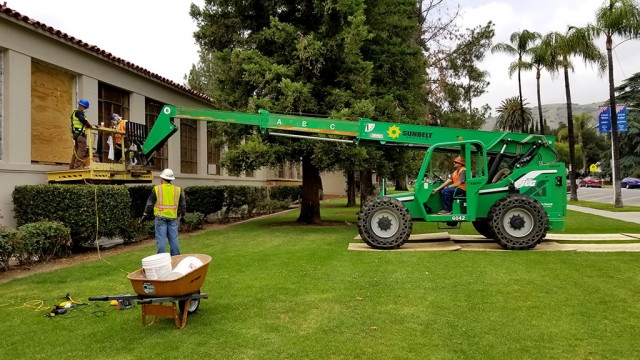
{"x":629,"y":196}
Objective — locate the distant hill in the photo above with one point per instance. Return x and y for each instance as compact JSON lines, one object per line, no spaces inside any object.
{"x":555,"y":113}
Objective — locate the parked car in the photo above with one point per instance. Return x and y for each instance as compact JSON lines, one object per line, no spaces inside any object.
{"x":630,"y":183}
{"x":591,"y":181}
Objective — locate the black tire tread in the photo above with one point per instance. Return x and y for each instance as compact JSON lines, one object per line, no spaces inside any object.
{"x":523,"y":201}
{"x":369,"y":209}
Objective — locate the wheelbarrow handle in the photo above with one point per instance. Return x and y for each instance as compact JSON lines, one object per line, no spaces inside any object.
{"x":117,"y":297}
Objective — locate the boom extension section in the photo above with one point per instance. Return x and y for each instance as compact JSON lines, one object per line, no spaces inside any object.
{"x":363,"y":132}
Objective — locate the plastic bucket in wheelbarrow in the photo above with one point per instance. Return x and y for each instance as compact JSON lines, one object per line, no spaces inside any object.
{"x":157,"y":266}
{"x":184,"y":267}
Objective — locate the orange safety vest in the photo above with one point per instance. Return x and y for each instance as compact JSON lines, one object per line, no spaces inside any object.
{"x":167,"y":198}
{"x":121,"y":127}
{"x":456,"y":175}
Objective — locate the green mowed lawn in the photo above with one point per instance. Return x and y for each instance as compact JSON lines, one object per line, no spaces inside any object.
{"x":285,"y":291}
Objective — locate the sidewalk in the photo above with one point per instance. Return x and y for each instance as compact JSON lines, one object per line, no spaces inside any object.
{"x":633,"y":217}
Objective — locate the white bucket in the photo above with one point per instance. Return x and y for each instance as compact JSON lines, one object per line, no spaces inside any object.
{"x":184,"y":267}
{"x":157,"y":266}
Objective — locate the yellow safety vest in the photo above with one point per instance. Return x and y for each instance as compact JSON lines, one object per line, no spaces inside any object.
{"x":76,"y":125}
{"x":167,"y":198}
{"x":121,"y":127}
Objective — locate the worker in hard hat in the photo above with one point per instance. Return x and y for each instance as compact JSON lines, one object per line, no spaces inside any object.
{"x":118,"y":123}
{"x":455,"y":184}
{"x":78,"y":124}
{"x":166,"y":200}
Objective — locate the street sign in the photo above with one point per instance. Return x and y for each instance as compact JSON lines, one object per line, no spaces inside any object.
{"x":593,"y":168}
{"x":604,"y":119}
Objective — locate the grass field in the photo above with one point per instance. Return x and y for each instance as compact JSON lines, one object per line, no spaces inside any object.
{"x":604,"y":206}
{"x":279,"y":290}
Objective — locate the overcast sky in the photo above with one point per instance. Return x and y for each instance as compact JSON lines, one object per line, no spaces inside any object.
{"x":160,"y":38}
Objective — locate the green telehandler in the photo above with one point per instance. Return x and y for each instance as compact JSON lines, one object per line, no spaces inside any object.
{"x":515,"y":185}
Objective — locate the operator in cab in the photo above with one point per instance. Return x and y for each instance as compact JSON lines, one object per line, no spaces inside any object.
{"x":456,"y":184}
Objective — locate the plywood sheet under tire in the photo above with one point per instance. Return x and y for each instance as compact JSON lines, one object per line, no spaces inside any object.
{"x":51,"y":106}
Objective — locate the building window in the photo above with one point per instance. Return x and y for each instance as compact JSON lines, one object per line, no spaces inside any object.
{"x":188,"y":146}
{"x":249,"y":174}
{"x":281,"y":171}
{"x":299,"y":171}
{"x":152,"y":109}
{"x":111,"y":100}
{"x":213,"y":155}
{"x":291,"y":169}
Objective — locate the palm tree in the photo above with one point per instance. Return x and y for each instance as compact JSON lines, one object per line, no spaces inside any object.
{"x":622,"y":18}
{"x":574,"y":42}
{"x":581,"y":123}
{"x":520,"y":46}
{"x":540,"y":59}
{"x":510,"y":118}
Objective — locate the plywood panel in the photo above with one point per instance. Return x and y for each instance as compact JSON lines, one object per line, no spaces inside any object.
{"x":51,"y":106}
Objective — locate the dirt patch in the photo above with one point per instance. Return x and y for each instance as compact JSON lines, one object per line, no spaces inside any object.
{"x":75,"y":259}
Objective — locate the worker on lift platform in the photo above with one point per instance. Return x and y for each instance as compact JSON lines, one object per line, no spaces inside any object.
{"x":78,"y":123}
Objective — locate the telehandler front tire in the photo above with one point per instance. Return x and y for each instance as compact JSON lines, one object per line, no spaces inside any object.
{"x":384,"y":223}
{"x":519,"y":222}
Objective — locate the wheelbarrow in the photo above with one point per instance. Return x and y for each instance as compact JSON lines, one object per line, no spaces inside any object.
{"x":152,"y":293}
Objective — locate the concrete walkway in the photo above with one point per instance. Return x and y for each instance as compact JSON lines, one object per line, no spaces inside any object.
{"x":633,"y":217}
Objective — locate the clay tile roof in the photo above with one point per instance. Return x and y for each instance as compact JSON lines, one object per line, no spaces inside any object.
{"x":41,"y":26}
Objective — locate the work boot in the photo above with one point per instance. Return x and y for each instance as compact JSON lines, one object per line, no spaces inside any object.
{"x":444,"y":212}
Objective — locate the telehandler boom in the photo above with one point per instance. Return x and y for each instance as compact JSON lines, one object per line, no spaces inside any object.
{"x":516,"y":188}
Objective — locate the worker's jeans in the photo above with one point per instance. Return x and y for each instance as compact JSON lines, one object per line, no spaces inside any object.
{"x":166,"y":227}
{"x":447,"y":197}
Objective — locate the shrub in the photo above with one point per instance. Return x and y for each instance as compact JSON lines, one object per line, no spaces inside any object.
{"x":139,"y":195}
{"x":270,"y":206}
{"x":42,"y":241}
{"x":8,"y":246}
{"x":193,"y":221}
{"x":204,"y":199}
{"x":291,"y":193}
{"x":75,"y":206}
{"x":636,"y":174}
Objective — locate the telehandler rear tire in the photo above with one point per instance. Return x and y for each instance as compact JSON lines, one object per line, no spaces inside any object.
{"x":519,"y":222}
{"x":483,"y":227}
{"x":384,"y":223}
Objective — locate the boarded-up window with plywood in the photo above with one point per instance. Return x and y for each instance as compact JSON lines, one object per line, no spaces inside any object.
{"x":111,"y":100}
{"x":188,"y":146}
{"x":213,"y":155}
{"x":152,"y":109}
{"x":52,"y":101}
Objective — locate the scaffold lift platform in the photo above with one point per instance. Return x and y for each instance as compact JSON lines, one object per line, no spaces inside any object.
{"x":96,"y":172}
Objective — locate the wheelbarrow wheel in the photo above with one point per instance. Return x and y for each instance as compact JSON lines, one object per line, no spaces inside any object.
{"x":193,"y":305}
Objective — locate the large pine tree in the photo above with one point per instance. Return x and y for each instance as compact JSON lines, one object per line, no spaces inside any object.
{"x":340,"y":59}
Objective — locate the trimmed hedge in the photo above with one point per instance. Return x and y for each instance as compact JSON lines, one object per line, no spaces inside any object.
{"x":139,"y":195}
{"x":290,"y":193}
{"x":204,"y":199}
{"x":8,"y":246}
{"x":43,"y":241}
{"x":75,"y":206}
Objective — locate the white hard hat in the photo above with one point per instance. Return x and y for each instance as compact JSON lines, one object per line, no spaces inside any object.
{"x":167,"y":174}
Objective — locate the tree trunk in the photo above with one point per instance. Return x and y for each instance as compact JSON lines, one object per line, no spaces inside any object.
{"x":521,"y":105}
{"x":539,"y":102}
{"x":401,"y":183}
{"x":585,"y":170}
{"x":366,"y":188}
{"x":311,"y":184}
{"x":351,"y":188}
{"x":615,"y":142}
{"x":572,"y":140}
